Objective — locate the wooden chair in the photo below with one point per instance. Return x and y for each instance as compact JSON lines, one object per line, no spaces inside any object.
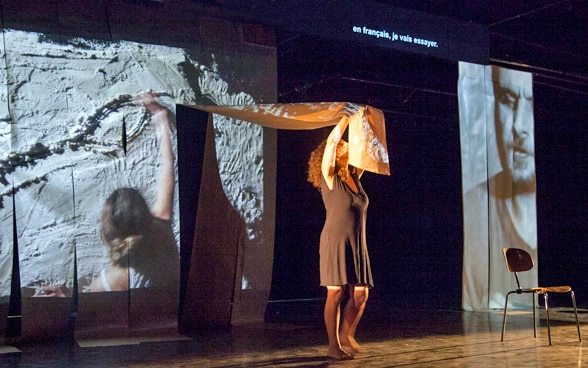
{"x":518,"y":260}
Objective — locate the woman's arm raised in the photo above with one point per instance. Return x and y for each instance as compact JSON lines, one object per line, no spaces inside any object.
{"x":163,"y":206}
{"x":330,"y":156}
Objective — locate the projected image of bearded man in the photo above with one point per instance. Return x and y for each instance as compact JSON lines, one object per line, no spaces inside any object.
{"x":514,"y":131}
{"x":512,"y":208}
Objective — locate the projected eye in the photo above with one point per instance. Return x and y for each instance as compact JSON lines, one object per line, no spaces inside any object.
{"x":506,"y":97}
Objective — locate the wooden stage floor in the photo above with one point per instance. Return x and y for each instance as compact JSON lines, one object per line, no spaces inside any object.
{"x":393,"y":338}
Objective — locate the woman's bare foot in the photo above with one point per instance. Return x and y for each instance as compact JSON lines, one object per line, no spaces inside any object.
{"x":352,"y":344}
{"x":337,"y":353}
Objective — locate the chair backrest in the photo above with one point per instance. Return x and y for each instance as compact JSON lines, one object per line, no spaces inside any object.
{"x":517,"y":260}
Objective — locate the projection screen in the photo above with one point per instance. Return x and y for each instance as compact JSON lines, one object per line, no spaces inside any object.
{"x":498,"y":176}
{"x":75,"y":128}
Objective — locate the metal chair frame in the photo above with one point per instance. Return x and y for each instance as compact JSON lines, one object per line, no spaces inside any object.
{"x":518,"y":260}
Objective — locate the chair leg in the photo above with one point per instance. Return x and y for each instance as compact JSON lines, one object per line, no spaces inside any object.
{"x":576,"y":314}
{"x":504,"y":317}
{"x":545,"y":298}
{"x":534,"y":317}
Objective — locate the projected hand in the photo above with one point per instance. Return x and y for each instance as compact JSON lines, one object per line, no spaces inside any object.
{"x":150,"y":101}
{"x":50,"y":292}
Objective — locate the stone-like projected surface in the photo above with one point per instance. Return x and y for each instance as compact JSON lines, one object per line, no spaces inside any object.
{"x":62,"y":148}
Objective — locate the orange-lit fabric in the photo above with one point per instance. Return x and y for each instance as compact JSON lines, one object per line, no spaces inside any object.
{"x":367,"y":129}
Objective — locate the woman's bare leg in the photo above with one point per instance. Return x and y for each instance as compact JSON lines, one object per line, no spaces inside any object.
{"x":332,"y":315}
{"x":352,"y":315}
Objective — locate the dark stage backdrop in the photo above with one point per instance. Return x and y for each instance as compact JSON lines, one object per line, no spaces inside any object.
{"x":562,"y":201}
{"x":415,"y":233}
{"x":415,"y":218}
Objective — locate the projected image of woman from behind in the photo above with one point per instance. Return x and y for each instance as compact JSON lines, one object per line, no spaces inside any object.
{"x":142,"y":248}
{"x":344,"y":260}
{"x":141,"y":245}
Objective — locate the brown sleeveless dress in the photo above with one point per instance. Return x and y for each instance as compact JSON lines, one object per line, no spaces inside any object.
{"x":343,"y":251}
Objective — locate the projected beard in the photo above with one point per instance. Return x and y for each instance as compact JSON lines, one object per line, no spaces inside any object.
{"x":514,"y":129}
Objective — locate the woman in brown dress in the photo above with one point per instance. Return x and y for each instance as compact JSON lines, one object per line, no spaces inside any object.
{"x":344,"y":260}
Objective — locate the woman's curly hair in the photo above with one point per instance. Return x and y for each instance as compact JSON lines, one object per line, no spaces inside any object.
{"x":314,"y":165}
{"x":121,"y":249}
{"x":315,"y":162}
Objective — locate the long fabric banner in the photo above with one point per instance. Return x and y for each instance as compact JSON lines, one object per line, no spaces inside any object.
{"x":498,"y":176}
{"x":367,"y":129}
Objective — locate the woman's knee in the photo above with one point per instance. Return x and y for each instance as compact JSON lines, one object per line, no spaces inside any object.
{"x":360,"y":295}
{"x":334,"y":293}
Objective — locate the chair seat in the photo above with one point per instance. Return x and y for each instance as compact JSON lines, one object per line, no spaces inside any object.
{"x":552,"y":289}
